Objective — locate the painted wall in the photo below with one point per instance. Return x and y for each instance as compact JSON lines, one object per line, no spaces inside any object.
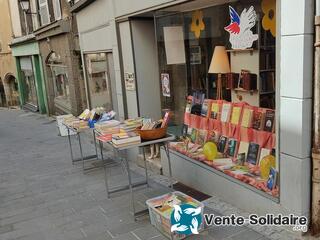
{"x":97,"y":32}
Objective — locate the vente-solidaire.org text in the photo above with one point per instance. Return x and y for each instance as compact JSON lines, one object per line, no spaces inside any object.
{"x":298,"y":223}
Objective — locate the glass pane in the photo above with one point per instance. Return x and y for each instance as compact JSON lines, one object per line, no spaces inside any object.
{"x":61,"y":82}
{"x":98,"y":80}
{"x":28,"y":81}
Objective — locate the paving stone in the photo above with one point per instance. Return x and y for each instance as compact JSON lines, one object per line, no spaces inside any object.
{"x":246,"y":234}
{"x":146,"y":233}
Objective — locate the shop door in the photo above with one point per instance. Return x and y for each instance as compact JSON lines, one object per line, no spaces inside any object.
{"x":28,"y":79}
{"x":98,"y":79}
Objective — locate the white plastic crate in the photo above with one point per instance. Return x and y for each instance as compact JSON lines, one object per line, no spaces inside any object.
{"x":63,"y":131}
{"x":162,"y":222}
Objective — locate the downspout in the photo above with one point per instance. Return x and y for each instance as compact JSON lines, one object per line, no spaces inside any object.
{"x":315,"y":220}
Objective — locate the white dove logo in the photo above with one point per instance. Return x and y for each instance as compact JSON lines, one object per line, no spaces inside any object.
{"x":186,"y":219}
{"x":241,"y":36}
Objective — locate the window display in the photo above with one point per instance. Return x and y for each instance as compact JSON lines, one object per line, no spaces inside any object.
{"x":228,"y":81}
{"x":98,"y":80}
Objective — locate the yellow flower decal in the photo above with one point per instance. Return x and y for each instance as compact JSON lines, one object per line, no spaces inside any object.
{"x":269,"y":18}
{"x":197,"y":24}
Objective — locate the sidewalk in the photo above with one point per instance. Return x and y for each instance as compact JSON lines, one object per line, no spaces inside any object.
{"x":44,"y":197}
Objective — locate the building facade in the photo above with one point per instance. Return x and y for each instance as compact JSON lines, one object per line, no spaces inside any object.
{"x":61,"y":59}
{"x":9,"y":94}
{"x":143,"y":36}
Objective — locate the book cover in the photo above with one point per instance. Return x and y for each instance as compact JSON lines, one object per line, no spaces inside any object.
{"x":253,"y":153}
{"x":241,"y":158}
{"x":272,"y":180}
{"x":235,"y":116}
{"x":258,"y":118}
{"x":222,"y":144}
{"x":205,"y":108}
{"x":232,"y":147}
{"x":243,"y":148}
{"x":269,"y":121}
{"x":105,"y":138}
{"x":214,"y":111}
{"x":213,"y":136}
{"x":247,"y":118}
{"x":189,"y":105}
{"x":202,"y":137}
{"x":166,"y":119}
{"x":226,"y":112}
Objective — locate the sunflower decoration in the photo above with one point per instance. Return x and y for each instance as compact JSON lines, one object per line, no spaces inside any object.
{"x":197,"y":24}
{"x":269,"y":18}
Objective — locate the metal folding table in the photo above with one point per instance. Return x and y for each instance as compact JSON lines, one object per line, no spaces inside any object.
{"x":163,"y":141}
{"x":82,"y":157}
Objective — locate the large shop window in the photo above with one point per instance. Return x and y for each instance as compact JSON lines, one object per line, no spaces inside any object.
{"x":98,"y":80}
{"x":28,"y":81}
{"x":218,"y":77}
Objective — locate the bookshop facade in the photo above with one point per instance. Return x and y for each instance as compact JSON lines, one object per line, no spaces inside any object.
{"x":229,"y":75}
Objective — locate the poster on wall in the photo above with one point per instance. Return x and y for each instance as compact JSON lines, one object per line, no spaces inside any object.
{"x":195,"y":55}
{"x":165,"y":83}
{"x":174,"y":45}
{"x":241,"y":35}
{"x":130,"y":81}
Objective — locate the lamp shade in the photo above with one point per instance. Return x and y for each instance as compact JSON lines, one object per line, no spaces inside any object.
{"x":219,"y":62}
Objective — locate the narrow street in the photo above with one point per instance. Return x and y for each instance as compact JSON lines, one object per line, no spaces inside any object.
{"x":44,"y":197}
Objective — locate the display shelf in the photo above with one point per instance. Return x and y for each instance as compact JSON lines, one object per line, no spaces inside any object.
{"x":267,"y":93}
{"x":222,"y":174}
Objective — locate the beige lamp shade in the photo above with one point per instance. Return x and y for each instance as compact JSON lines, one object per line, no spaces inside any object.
{"x":219,"y":62}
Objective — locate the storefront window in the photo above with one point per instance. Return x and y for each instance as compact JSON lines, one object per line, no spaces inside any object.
{"x":28,"y":79}
{"x":61,"y":82}
{"x":218,"y":64}
{"x":98,"y":80}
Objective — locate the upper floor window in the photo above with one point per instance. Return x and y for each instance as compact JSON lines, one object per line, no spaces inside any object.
{"x":49,"y":11}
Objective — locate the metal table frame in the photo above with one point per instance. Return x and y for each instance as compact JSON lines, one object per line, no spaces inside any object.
{"x":163,"y":141}
{"x":82,"y":157}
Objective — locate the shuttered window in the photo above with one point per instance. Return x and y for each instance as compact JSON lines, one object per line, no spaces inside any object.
{"x":56,"y":9}
{"x":44,"y":12}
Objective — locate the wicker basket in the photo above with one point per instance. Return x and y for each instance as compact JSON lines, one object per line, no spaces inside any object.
{"x":152,"y":134}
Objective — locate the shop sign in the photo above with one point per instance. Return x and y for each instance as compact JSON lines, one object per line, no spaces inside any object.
{"x":241,"y":35}
{"x":130,"y":81}
{"x":165,"y":83}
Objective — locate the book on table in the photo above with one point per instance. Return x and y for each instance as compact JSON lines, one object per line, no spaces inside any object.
{"x":124,"y":139}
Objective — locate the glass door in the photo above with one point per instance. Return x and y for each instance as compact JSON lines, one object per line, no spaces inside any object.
{"x":28,"y":79}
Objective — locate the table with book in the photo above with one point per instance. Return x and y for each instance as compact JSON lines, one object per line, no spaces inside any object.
{"x":122,"y":136}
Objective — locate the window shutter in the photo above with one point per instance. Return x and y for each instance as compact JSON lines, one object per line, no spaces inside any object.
{"x":44,"y":12}
{"x":56,"y":9}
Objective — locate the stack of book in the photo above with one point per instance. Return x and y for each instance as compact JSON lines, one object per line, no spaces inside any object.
{"x":76,"y":123}
{"x":107,"y":127}
{"x":131,"y":124}
{"x":125,"y":139}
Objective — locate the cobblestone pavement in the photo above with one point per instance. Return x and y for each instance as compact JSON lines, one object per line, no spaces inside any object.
{"x":44,"y":197}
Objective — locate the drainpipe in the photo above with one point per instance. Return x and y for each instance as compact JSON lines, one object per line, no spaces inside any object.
{"x":315,"y":220}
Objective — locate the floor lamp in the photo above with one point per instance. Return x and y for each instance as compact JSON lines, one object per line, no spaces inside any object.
{"x":219,"y":65}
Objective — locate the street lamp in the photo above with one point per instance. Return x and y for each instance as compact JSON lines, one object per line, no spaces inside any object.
{"x":25,"y":5}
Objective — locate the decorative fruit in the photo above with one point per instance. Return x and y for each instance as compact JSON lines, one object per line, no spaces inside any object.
{"x":210,"y":150}
{"x":266,"y":164}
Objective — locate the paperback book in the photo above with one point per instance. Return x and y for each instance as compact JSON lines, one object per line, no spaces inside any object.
{"x":253,"y":153}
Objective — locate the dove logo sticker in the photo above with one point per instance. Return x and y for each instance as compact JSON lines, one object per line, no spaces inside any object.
{"x":186,"y":219}
{"x":241,"y":36}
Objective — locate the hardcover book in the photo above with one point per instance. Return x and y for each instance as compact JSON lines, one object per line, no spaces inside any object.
{"x":232,"y":147}
{"x":222,"y":144}
{"x":243,"y":148}
{"x":269,"y":121}
{"x":226,"y":112}
{"x":205,"y":108}
{"x":258,"y":119}
{"x":247,"y":118}
{"x":272,"y":180}
{"x":253,"y":153}
{"x":236,"y":114}
{"x":215,"y":110}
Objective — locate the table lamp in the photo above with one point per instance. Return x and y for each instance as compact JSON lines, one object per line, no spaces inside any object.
{"x":219,"y":65}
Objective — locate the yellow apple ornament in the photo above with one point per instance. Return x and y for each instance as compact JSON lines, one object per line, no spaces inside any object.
{"x":210,"y":150}
{"x":266,"y":164}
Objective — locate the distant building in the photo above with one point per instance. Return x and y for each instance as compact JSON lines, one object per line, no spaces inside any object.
{"x":9,"y":94}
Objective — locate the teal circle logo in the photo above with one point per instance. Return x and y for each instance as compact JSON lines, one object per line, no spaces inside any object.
{"x":186,"y":219}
